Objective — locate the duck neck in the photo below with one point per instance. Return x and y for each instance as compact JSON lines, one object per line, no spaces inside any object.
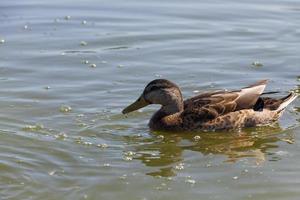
{"x":174,"y":107}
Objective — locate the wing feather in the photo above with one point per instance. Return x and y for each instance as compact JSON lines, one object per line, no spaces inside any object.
{"x":210,"y":105}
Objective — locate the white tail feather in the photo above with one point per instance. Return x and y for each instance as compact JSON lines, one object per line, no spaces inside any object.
{"x":249,"y":95}
{"x":287,"y":101}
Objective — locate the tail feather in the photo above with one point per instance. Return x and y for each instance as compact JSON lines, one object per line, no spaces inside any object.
{"x":248,"y":96}
{"x":287,"y":100}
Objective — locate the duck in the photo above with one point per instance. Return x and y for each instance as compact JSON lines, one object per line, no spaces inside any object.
{"x":210,"y":111}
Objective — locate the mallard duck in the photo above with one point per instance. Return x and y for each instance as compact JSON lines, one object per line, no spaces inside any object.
{"x":216,"y":110}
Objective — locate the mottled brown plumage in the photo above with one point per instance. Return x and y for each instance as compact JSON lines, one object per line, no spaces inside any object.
{"x":209,"y":111}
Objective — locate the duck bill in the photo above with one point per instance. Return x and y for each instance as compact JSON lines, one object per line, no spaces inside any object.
{"x":140,"y":103}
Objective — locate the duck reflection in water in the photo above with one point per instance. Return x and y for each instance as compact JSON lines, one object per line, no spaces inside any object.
{"x":165,"y":151}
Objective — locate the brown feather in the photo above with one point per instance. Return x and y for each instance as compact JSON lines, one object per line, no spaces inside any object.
{"x":211,"y":105}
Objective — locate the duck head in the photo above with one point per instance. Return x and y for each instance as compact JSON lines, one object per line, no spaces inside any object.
{"x":159,"y":91}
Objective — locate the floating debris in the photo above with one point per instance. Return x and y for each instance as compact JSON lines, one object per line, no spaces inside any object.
{"x":235,"y":178}
{"x":127,"y":158}
{"x":2,"y":41}
{"x":65,"y":108}
{"x":80,"y":115}
{"x":83,"y":43}
{"x":103,"y":62}
{"x":52,"y":173}
{"x":138,"y":135}
{"x":257,"y":64}
{"x":158,"y":188}
{"x":47,"y":87}
{"x":169,"y":178}
{"x":56,"y":20}
{"x":120,"y":66}
{"x":83,"y":22}
{"x":25,"y":27}
{"x":160,"y":137}
{"x":282,"y":153}
{"x":208,"y":165}
{"x":67,"y":17}
{"x":93,"y":65}
{"x":85,"y":62}
{"x":196,"y":91}
{"x":102,"y":146}
{"x":153,"y":154}
{"x":87,"y":143}
{"x":78,"y":140}
{"x":129,"y":153}
{"x":82,"y":124}
{"x":190,"y":181}
{"x":36,"y":127}
{"x":61,"y":136}
{"x":297,"y":90}
{"x":180,"y":166}
{"x":123,"y":177}
{"x":197,"y":138}
{"x":106,"y":165}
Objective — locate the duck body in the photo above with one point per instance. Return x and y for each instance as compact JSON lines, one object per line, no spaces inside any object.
{"x":217,"y":110}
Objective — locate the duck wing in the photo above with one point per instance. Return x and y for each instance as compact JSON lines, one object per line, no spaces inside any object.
{"x":208,"y":106}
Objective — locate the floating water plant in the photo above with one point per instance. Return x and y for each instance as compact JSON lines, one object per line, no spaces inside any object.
{"x":61,"y":136}
{"x":85,"y":62}
{"x":83,"y":43}
{"x":190,"y":181}
{"x":127,"y":158}
{"x":197,"y":137}
{"x":257,"y":64}
{"x":93,"y":65}
{"x":34,"y":128}
{"x":102,"y":146}
{"x":65,"y":108}
{"x":180,"y":166}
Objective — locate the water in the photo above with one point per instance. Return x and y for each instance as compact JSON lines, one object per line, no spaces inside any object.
{"x":61,"y":132}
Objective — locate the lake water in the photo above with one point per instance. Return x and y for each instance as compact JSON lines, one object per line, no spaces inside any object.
{"x":68,"y":68}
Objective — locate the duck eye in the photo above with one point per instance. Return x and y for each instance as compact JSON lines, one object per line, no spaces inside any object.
{"x":154,"y":88}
